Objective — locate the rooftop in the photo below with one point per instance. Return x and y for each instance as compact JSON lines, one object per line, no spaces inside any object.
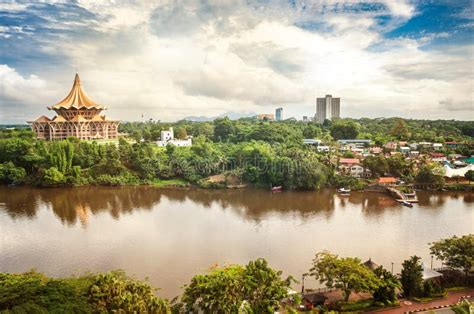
{"x":77,"y":98}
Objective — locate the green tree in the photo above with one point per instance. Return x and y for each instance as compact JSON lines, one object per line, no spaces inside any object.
{"x":412,"y":277}
{"x":347,"y":274}
{"x":469,"y":175}
{"x":400,"y":130}
{"x":344,"y":129}
{"x":378,"y":165}
{"x":223,"y":129}
{"x":52,"y":176}
{"x":11,"y":174}
{"x":180,"y":133}
{"x":455,"y":252}
{"x":116,"y":292}
{"x":255,"y":288}
{"x":386,"y":292}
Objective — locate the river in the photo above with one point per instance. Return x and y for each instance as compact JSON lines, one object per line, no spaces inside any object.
{"x":168,"y":235}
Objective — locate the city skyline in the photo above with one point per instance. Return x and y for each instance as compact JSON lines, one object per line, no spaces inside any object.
{"x":171,"y":60}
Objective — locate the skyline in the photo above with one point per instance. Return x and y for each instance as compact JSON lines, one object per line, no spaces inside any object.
{"x":189,"y":58}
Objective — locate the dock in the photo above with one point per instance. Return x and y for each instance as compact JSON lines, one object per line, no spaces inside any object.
{"x":401,"y":197}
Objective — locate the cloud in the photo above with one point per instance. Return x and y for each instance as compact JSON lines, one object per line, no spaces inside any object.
{"x":170,"y":59}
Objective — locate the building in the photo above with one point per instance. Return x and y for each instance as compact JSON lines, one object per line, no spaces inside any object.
{"x":387,"y":181}
{"x":279,"y":114}
{"x":77,"y":116}
{"x":266,"y":116}
{"x":167,"y":138}
{"x":352,"y":167}
{"x":327,"y":108}
{"x":310,"y":141}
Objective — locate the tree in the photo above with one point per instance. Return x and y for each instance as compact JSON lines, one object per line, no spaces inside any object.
{"x":377,"y":165}
{"x":52,"y":176}
{"x":469,"y":175}
{"x":263,"y":286}
{"x":347,"y":274}
{"x":180,"y":133}
{"x":255,"y":287}
{"x":386,"y":292}
{"x":426,"y":175}
{"x":11,"y":174}
{"x":116,"y":292}
{"x":344,"y":129}
{"x":223,"y":129}
{"x":400,"y":130}
{"x":455,"y":252}
{"x":412,"y":277}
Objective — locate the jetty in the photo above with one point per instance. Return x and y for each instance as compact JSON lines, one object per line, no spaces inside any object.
{"x":402,"y":197}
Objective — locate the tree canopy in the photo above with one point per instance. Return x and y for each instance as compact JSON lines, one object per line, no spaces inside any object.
{"x":347,"y":274}
{"x":455,"y":252}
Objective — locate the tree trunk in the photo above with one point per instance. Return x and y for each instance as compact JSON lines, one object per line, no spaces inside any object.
{"x":347,"y":294}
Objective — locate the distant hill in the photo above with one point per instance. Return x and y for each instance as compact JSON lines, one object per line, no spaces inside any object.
{"x":230,"y":114}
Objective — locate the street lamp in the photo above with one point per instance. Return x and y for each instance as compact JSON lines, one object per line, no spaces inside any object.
{"x":302,"y":283}
{"x":431,"y":261}
{"x":392,"y":268}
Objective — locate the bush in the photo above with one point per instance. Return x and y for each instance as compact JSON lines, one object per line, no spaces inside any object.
{"x":33,"y":292}
{"x":11,"y":174}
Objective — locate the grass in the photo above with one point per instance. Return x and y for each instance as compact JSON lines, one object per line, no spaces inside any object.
{"x":170,"y":183}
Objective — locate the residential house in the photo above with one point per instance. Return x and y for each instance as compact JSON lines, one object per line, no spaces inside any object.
{"x":391,"y":145}
{"x":437,"y":146}
{"x":439,"y":157}
{"x":387,"y":181}
{"x":352,"y":167}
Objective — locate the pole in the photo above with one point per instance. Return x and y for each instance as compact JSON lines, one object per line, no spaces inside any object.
{"x":431,"y":261}
{"x":302,"y":285}
{"x":392,"y":268}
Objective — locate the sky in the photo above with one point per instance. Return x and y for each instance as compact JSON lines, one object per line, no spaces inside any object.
{"x":167,"y":60}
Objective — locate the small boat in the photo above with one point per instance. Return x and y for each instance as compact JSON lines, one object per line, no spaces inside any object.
{"x":411,"y":194}
{"x":407,"y":204}
{"x":276,"y":188}
{"x":344,"y":191}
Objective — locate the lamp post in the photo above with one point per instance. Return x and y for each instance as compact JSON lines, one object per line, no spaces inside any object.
{"x":431,"y":261}
{"x":392,"y":268}
{"x":302,"y":283}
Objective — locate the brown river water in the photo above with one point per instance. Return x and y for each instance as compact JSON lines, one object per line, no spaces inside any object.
{"x":168,"y":235}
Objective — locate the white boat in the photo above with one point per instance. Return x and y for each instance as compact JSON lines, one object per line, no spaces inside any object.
{"x":344,"y":191}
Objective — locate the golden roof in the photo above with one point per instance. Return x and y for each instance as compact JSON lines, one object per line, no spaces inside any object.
{"x":77,"y":98}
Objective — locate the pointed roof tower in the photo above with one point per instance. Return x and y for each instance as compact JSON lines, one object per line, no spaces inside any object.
{"x":77,"y":98}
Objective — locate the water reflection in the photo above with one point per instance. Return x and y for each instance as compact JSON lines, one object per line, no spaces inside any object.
{"x":71,"y":205}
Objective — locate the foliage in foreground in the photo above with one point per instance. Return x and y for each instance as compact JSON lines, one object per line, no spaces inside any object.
{"x":33,"y":292}
{"x":254,"y":288}
{"x":345,"y":273}
{"x":455,"y":252}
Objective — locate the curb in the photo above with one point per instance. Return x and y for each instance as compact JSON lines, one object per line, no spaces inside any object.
{"x":440,"y":306}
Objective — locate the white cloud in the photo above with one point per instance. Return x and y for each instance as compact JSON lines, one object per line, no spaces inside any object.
{"x":173,"y":59}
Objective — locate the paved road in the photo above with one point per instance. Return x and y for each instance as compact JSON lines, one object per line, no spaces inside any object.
{"x":453,"y":298}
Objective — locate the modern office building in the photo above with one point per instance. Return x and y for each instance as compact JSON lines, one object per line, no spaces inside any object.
{"x":279,"y":114}
{"x":327,"y":108}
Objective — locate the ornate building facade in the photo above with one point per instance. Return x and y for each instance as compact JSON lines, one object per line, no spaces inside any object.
{"x":77,"y":116}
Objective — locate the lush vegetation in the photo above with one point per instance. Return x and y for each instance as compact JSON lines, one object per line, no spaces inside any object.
{"x":455,"y":252}
{"x":251,"y":288}
{"x":33,"y":292}
{"x":258,"y":153}
{"x":347,"y":274}
{"x":254,"y":288}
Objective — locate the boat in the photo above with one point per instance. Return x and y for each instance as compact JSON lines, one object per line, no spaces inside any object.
{"x":276,"y":188}
{"x":407,"y":204}
{"x":344,"y":191}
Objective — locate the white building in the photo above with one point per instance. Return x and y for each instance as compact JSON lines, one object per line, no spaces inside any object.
{"x":167,"y":137}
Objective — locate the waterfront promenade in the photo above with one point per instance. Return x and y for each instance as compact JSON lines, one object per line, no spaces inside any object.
{"x":410,"y":306}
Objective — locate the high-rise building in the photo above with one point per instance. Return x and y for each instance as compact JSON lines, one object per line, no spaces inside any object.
{"x":327,"y":108}
{"x":279,"y":114}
